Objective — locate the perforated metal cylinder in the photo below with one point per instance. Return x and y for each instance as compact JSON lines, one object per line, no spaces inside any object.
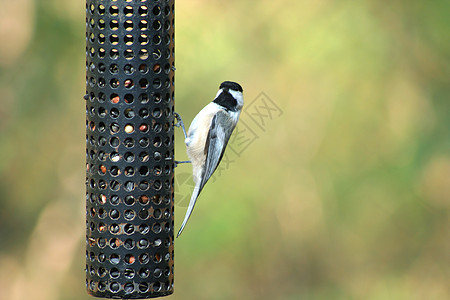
{"x":129,"y":148}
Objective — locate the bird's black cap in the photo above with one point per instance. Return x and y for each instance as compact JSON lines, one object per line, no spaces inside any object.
{"x":231,"y":85}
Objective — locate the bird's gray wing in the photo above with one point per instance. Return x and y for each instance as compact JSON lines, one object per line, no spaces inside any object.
{"x":219,"y":133}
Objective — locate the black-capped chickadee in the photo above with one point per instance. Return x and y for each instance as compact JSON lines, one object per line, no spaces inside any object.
{"x":208,"y":136}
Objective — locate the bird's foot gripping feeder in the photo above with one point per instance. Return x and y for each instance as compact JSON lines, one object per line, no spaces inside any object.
{"x":129,"y":148}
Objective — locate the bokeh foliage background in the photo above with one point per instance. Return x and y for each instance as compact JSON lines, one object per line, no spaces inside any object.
{"x":345,"y":195}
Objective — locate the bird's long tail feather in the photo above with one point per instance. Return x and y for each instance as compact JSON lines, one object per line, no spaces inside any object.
{"x":194,"y":197}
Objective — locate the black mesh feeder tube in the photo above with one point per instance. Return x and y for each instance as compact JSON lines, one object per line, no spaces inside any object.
{"x":129,"y":148}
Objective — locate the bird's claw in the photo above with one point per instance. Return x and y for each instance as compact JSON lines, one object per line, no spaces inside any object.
{"x":182,"y":162}
{"x":179,"y":123}
{"x":177,"y":162}
{"x":179,"y":120}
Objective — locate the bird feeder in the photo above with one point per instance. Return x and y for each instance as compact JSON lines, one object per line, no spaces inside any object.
{"x":129,"y":148}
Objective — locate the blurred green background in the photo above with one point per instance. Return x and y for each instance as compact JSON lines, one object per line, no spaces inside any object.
{"x":342,"y":193}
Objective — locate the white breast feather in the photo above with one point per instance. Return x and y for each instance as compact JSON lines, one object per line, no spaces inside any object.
{"x":196,"y":140}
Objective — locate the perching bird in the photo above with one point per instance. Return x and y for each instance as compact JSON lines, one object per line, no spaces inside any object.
{"x":208,"y":136}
